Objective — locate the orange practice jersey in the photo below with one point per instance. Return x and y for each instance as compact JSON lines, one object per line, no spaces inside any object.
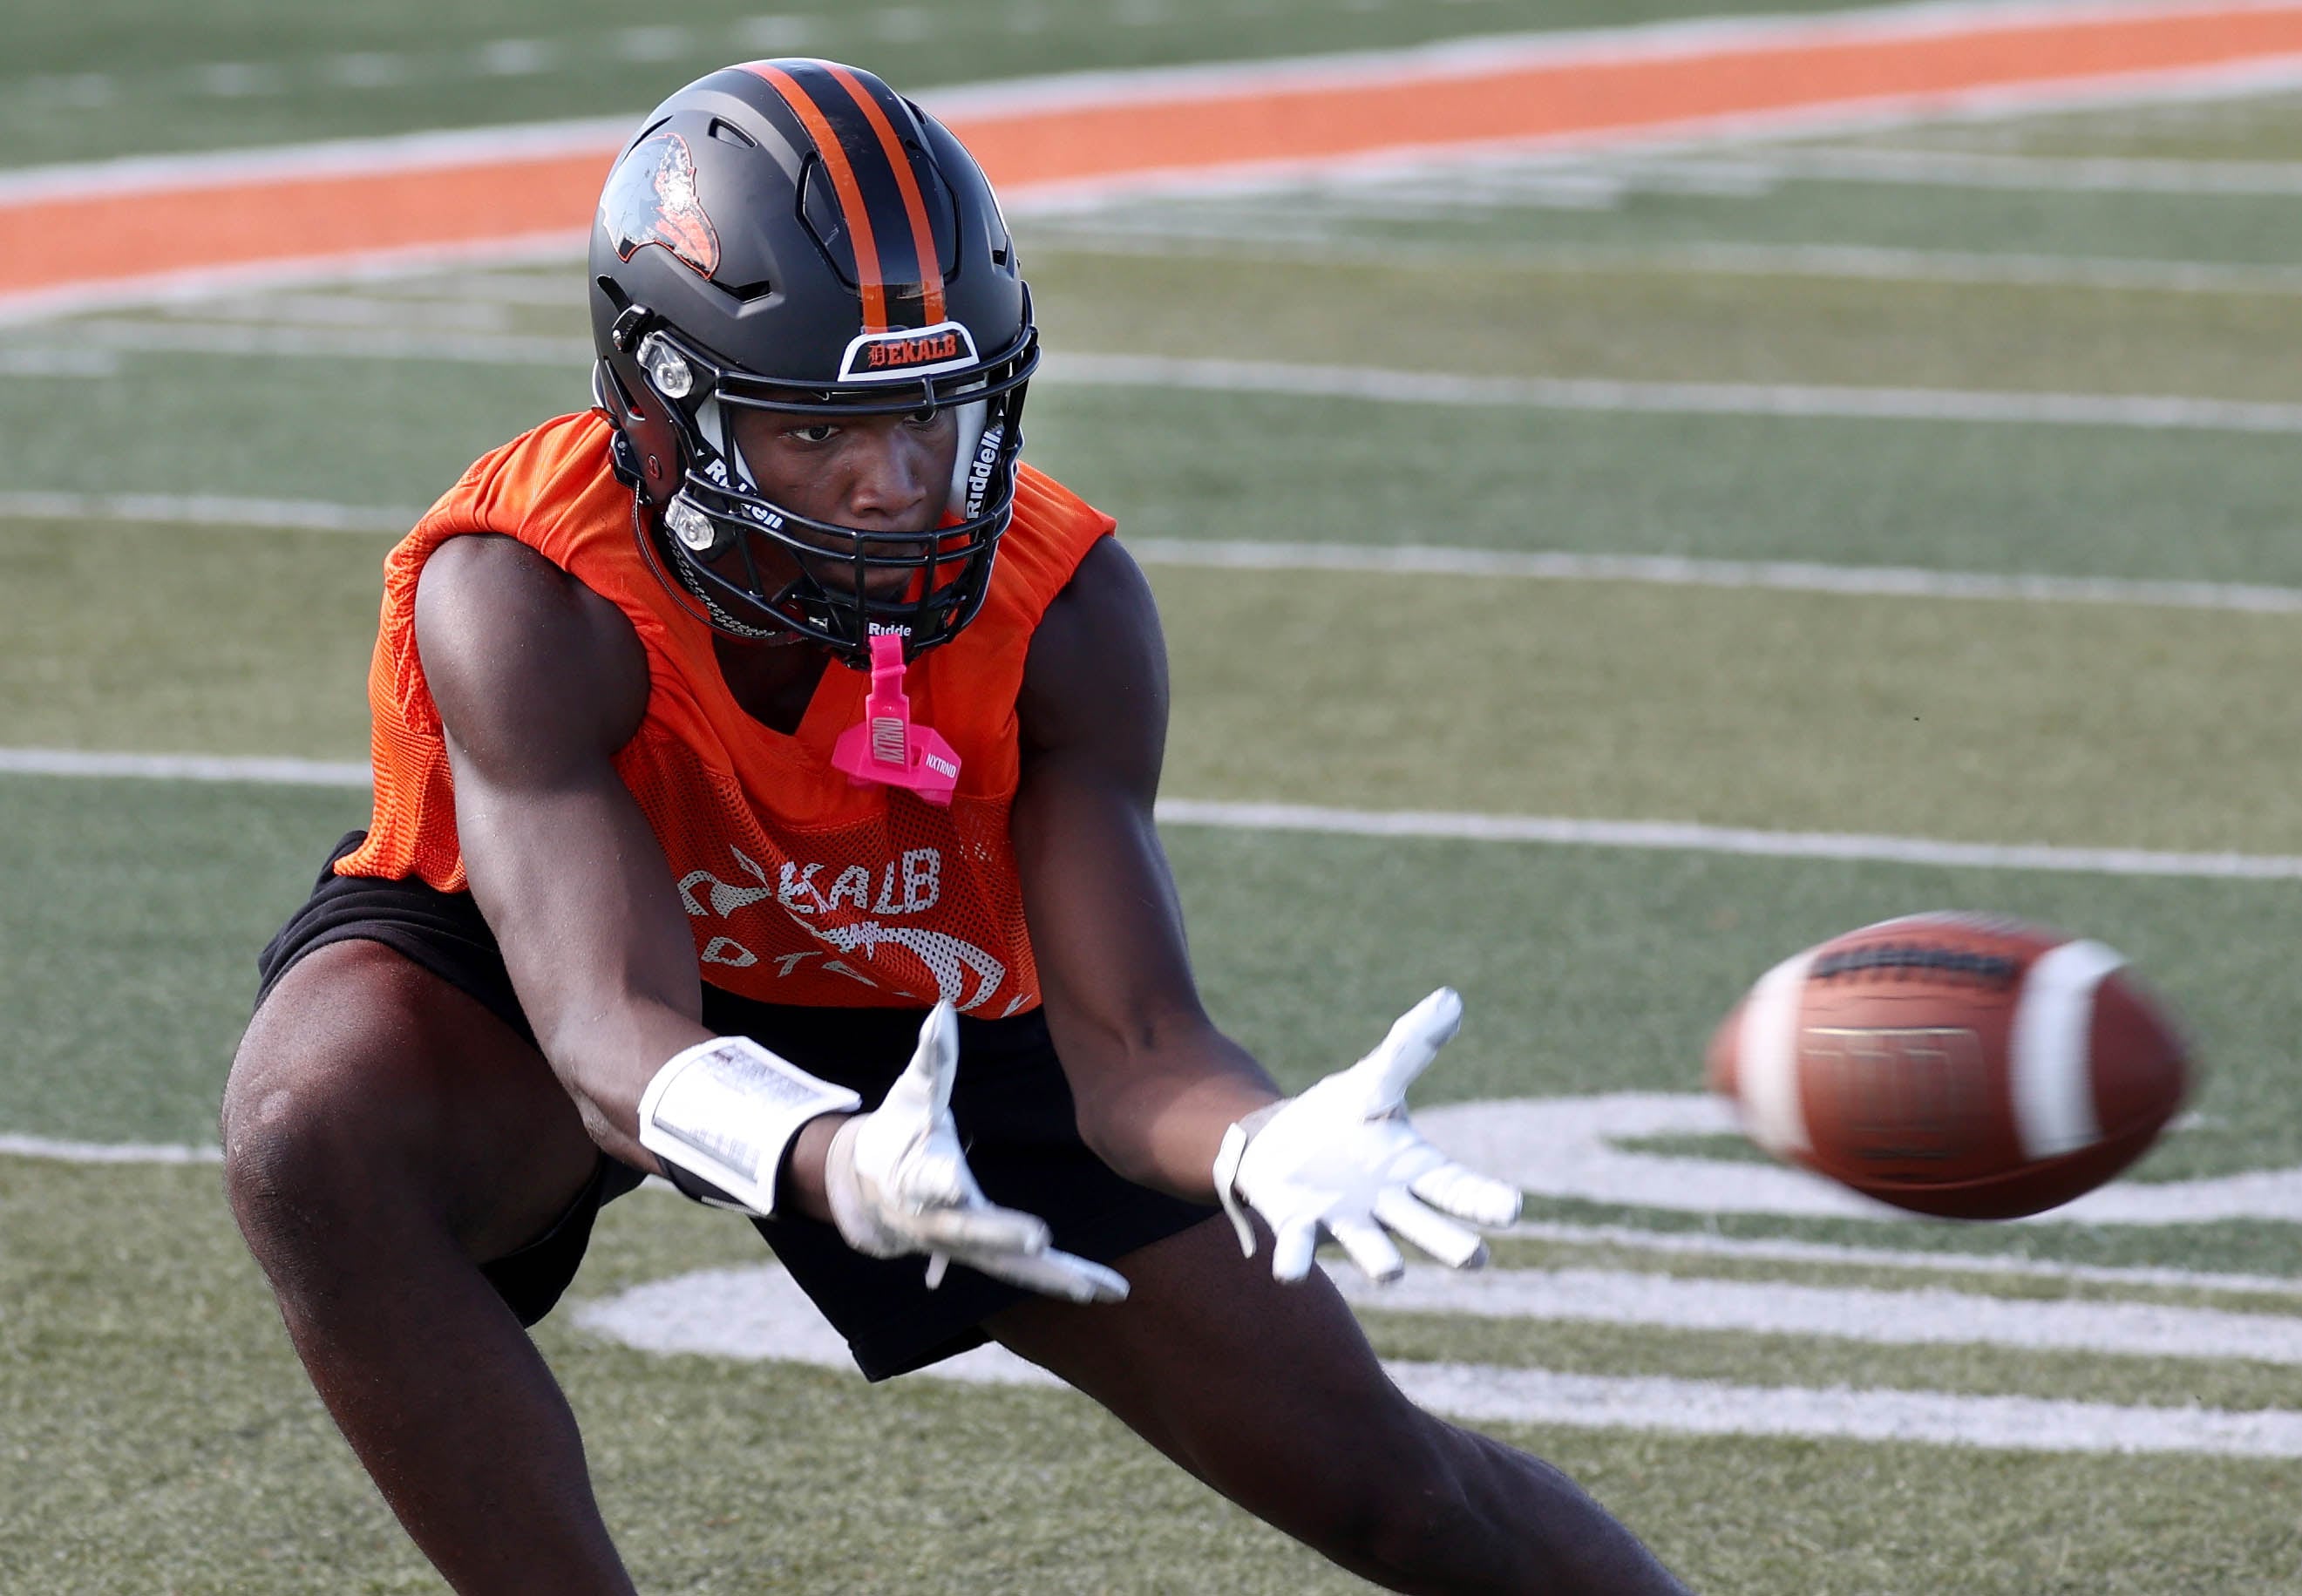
{"x":800,"y":887}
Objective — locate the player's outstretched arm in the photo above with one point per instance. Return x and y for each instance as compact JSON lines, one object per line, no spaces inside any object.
{"x":1163,"y":1096}
{"x":539,"y":682}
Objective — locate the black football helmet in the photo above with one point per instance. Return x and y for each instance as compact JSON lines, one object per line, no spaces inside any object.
{"x":793,"y":236}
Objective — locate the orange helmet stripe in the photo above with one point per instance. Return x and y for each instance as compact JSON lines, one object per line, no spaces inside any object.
{"x":907,"y":183}
{"x":858,"y":216}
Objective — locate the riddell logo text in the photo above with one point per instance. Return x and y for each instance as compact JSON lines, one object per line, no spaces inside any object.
{"x":911,"y":351}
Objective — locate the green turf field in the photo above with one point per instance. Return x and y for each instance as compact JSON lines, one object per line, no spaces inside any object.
{"x":1676,"y":354}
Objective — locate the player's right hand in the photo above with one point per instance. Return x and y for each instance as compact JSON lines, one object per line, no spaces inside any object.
{"x":898,"y":1183}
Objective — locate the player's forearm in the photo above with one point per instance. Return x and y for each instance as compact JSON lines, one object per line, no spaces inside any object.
{"x":1156,"y":1112}
{"x":608,"y":1058}
{"x":605,"y":1054}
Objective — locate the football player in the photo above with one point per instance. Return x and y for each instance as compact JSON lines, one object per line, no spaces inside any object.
{"x":764,"y":763}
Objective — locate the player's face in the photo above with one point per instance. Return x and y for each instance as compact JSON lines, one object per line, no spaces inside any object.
{"x":875,"y":473}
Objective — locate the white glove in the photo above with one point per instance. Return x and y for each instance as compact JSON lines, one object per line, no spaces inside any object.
{"x":899,"y":1183}
{"x":1344,"y":1157}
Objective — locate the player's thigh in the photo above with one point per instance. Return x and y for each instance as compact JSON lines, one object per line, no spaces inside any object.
{"x":370,"y":1091}
{"x":1268,"y":1391}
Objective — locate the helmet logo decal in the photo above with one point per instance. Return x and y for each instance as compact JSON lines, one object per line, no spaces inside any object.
{"x":907,"y":353}
{"x":651,"y":198}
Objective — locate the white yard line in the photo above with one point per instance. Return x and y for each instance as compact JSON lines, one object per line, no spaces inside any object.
{"x":354,"y":343}
{"x":1668,"y":570}
{"x":1668,"y":835}
{"x":208,"y":510}
{"x":182,"y":767}
{"x":1374,"y":384}
{"x":760,"y":1313}
{"x":90,"y":1152}
{"x":1268,"y":241}
{"x":1672,"y":570}
{"x":1832,"y":1254}
{"x":1805,"y":401}
{"x":1679,"y":837}
{"x":1927,"y":1317}
{"x":2068,"y":174}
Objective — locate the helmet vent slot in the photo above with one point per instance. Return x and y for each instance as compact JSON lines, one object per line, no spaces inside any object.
{"x":818,"y":211}
{"x":728,"y":132}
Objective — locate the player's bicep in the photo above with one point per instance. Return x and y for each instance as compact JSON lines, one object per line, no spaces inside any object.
{"x":538,"y":683}
{"x":1106,"y":926}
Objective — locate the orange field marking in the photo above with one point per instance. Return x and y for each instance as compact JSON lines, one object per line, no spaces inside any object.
{"x":56,"y":245}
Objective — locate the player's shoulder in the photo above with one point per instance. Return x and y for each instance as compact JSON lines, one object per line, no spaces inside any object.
{"x":1043,"y":501}
{"x":563,"y":466}
{"x":507,"y":637}
{"x":1051,"y":534}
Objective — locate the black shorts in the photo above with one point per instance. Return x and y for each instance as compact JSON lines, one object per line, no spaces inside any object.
{"x":1012,"y":1103}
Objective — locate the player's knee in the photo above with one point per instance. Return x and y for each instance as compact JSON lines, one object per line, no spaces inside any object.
{"x":305,"y":1155}
{"x":280,"y":1148}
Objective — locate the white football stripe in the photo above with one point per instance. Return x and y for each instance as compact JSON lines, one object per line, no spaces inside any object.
{"x":1767,"y":1049}
{"x":1390,"y":385}
{"x":1667,"y":570}
{"x":184,"y":767}
{"x":1838,"y":1255}
{"x":760,"y":1314}
{"x":208,"y":510}
{"x":91,"y":1152}
{"x":1712,"y":1407}
{"x":1925,"y":1316}
{"x":2048,"y":1053}
{"x":1678,"y":570}
{"x":1374,"y":384}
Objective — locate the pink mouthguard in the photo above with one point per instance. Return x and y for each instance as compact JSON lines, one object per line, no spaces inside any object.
{"x":886,"y":748}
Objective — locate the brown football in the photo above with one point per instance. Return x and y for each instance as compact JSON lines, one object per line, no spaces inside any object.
{"x":1954,"y":1064}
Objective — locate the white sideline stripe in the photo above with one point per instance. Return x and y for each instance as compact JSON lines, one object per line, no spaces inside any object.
{"x":1437,"y":824}
{"x":292,"y":515}
{"x":1673,"y":570}
{"x":2053,"y":1086}
{"x":1893,"y":582}
{"x":2155,"y":411}
{"x":760,"y":1315}
{"x":175,"y":767}
{"x":2077,"y":174}
{"x":90,"y":1152}
{"x":1667,"y":1405}
{"x":1838,"y":1255}
{"x":1673,"y":836}
{"x":1313,"y":241}
{"x":1928,"y":1317}
{"x":369,"y":265}
{"x":356,"y":343}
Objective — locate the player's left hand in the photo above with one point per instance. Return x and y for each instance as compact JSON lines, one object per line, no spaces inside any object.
{"x":898,"y":1182}
{"x":1343,"y":1157}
